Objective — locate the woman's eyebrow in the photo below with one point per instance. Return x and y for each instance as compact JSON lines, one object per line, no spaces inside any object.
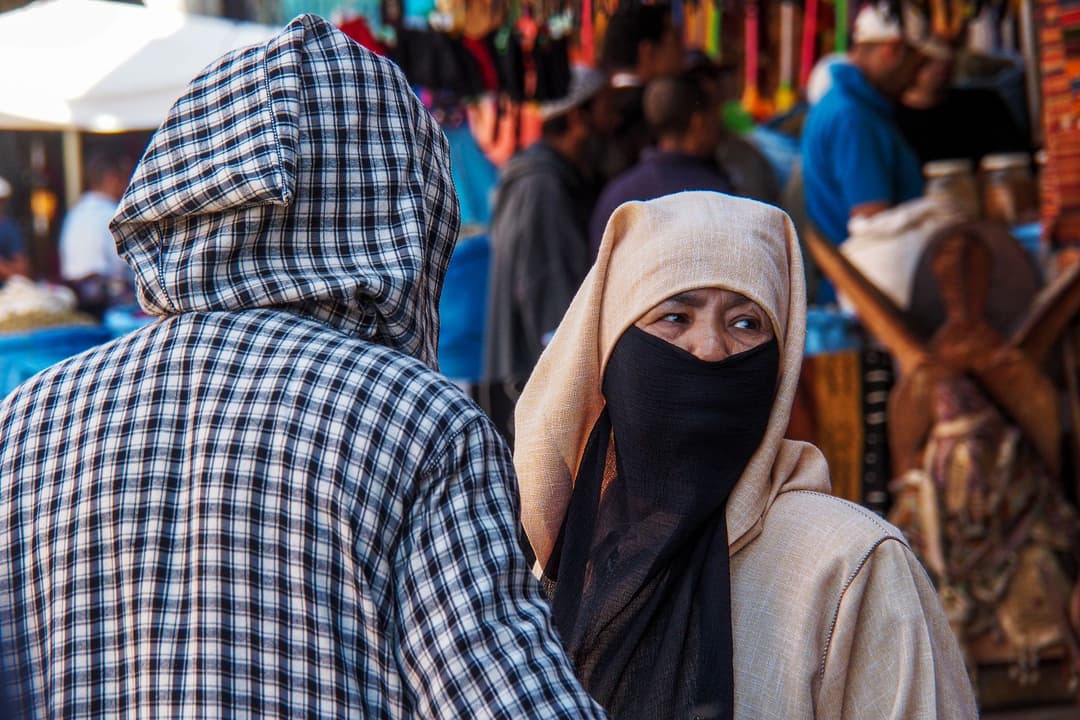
{"x":740,"y":304}
{"x":689,"y":297}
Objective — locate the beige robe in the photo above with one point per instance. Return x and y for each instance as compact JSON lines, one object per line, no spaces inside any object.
{"x":833,"y":616}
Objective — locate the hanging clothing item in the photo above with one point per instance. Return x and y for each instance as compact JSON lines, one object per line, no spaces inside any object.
{"x":831,"y":614}
{"x":504,"y":46}
{"x":551,"y":60}
{"x":267,"y":502}
{"x":479,"y":51}
{"x":438,"y":61}
{"x":359,"y":30}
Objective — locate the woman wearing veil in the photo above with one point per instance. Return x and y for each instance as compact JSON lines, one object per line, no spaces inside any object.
{"x":697,"y":566}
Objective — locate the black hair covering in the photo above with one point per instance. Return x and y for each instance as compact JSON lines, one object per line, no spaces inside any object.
{"x":642,"y":594}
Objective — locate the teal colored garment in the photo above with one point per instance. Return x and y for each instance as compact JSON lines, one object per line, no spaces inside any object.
{"x":463,"y":304}
{"x":474,"y":175}
{"x":463,"y":310}
{"x":370,"y":10}
{"x":852,"y":154}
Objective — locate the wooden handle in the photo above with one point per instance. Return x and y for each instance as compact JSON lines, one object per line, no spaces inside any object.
{"x":876,"y":311}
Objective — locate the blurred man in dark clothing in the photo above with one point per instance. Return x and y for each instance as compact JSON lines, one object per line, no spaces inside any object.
{"x":641,"y":43}
{"x":942,"y":122}
{"x":539,"y":242}
{"x":683,"y":114}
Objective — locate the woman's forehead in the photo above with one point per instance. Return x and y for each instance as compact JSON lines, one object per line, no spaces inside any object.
{"x":699,"y":297}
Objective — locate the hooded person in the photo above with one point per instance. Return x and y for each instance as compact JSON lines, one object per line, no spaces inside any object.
{"x":267,"y":503}
{"x":696,"y":563}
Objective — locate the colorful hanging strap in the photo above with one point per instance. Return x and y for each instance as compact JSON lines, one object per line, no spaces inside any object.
{"x":714,"y":17}
{"x":785,"y":94}
{"x":750,"y":49}
{"x":841,"y":26}
{"x":588,"y":48}
{"x":809,"y":38}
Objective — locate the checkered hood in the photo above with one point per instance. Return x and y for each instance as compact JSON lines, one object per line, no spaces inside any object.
{"x":331,"y":193}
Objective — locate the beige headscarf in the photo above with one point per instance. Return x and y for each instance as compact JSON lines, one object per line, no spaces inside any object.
{"x":651,"y":251}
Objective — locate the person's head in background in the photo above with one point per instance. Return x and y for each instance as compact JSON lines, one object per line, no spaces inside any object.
{"x":5,"y":196}
{"x":683,"y":113}
{"x":934,"y":76}
{"x":107,"y":174}
{"x":882,"y":51}
{"x":642,"y":41}
{"x":574,"y":123}
{"x":723,"y":79}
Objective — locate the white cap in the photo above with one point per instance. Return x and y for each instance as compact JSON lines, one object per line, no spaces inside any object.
{"x":5,"y":189}
{"x":584,"y":84}
{"x":875,"y":23}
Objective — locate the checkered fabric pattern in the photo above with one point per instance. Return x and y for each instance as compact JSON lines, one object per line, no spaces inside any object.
{"x":267,"y":503}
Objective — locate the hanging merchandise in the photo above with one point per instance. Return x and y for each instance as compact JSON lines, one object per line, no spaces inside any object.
{"x":752,"y":99}
{"x":677,"y":15}
{"x":694,"y":25}
{"x":438,"y":61}
{"x":714,"y":14}
{"x":841,"y":26}
{"x":552,"y":57}
{"x":947,"y":17}
{"x":471,"y":49}
{"x":809,"y":40}
{"x":358,"y":29}
{"x":750,"y":51}
{"x":785,"y":92}
{"x":1059,"y":35}
{"x":587,"y":39}
{"x":480,"y":53}
{"x":551,"y":63}
{"x":504,"y":46}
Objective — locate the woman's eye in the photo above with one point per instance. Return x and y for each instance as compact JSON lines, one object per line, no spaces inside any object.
{"x":746,"y":323}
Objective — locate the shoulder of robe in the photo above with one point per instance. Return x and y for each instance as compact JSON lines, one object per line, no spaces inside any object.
{"x":816,"y":529}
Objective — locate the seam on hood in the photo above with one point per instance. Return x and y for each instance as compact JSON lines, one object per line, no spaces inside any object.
{"x":287,"y":191}
{"x":161,"y":280}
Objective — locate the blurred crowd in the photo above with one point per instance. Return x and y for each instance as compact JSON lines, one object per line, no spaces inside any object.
{"x":651,"y":121}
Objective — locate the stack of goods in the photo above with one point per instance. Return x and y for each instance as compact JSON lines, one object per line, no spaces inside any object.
{"x":1059,"y":28}
{"x":26,"y":306}
{"x":39,"y":326}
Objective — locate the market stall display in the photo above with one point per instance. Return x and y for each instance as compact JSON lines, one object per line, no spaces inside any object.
{"x":975,"y":438}
{"x":39,"y":326}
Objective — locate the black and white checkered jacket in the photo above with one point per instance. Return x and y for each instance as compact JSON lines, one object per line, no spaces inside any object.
{"x":267,"y":503}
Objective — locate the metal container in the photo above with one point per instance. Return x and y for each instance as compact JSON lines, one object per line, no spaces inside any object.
{"x":953,"y":182}
{"x":1008,"y":188}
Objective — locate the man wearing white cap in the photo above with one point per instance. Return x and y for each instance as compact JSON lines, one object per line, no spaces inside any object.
{"x":539,"y":241}
{"x":855,"y":161}
{"x":12,"y":245}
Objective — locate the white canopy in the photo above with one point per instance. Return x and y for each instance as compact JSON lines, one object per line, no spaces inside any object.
{"x":103,"y":66}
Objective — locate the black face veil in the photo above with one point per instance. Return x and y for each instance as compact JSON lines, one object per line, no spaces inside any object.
{"x":641,"y":575}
